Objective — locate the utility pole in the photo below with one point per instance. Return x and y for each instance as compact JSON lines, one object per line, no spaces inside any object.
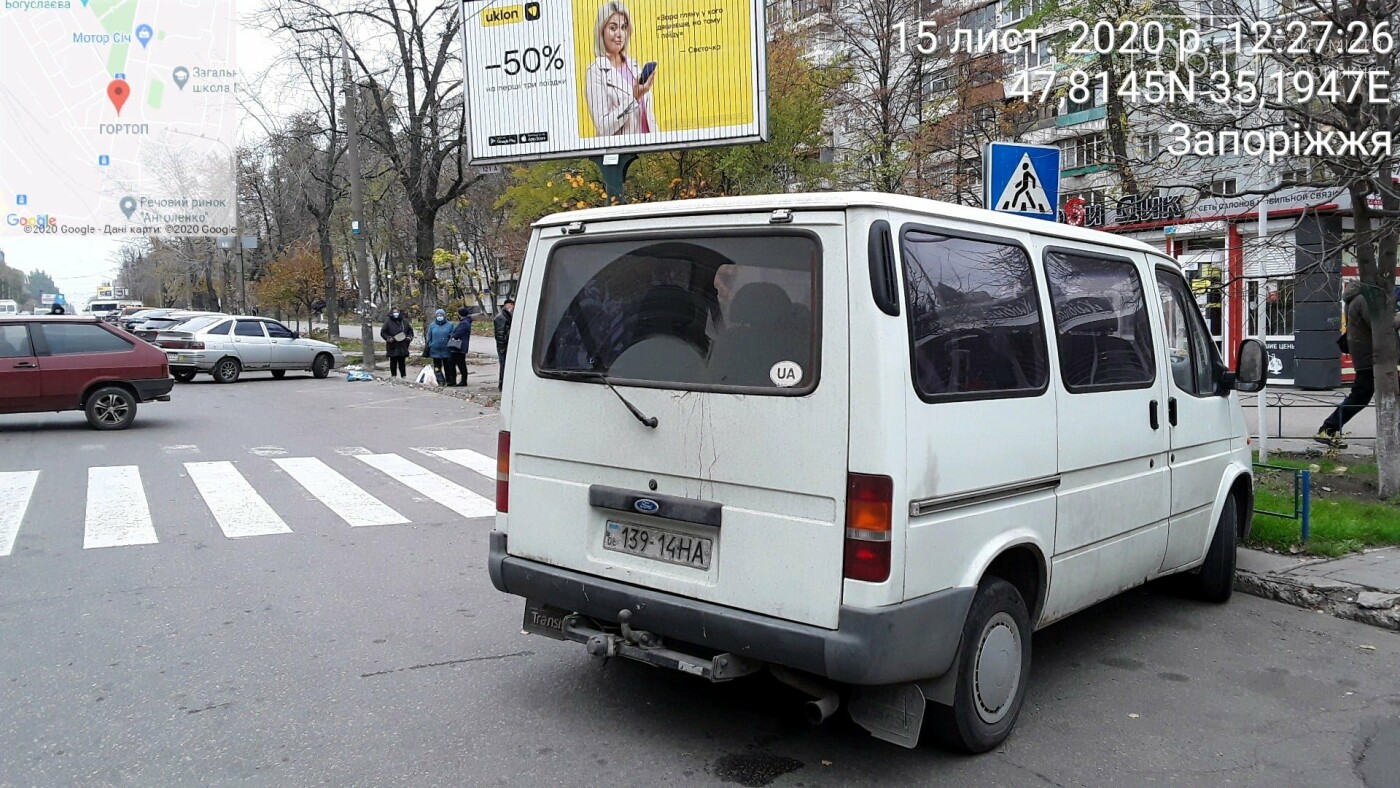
{"x":357,"y":228}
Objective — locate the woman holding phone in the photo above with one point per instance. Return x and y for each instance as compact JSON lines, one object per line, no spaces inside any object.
{"x":617,"y":90}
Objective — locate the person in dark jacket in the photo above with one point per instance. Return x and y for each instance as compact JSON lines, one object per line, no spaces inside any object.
{"x":437,"y":336}
{"x":457,"y":369}
{"x":397,"y":333}
{"x":1359,"y":345}
{"x":503,"y":337}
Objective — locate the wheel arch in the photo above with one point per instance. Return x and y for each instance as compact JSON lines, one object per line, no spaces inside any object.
{"x":1020,"y":559}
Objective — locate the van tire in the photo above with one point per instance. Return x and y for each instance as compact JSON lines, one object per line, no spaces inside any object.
{"x":1216,"y":580}
{"x":979,"y":721}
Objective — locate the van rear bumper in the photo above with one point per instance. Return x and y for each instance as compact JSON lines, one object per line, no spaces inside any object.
{"x":909,"y":641}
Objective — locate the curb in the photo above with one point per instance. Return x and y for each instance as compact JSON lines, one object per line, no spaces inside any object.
{"x":476,"y":398}
{"x":1325,"y":596}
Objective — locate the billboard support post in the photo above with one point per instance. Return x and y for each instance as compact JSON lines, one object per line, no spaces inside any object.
{"x":615,"y":175}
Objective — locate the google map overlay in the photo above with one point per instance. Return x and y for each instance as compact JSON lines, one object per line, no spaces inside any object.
{"x":117,"y":117}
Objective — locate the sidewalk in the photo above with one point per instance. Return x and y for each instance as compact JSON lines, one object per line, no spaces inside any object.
{"x":482,"y":372}
{"x":1297,"y":414}
{"x":1361,"y":587}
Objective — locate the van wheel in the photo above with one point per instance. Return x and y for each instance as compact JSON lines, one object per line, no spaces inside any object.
{"x":227,"y":370}
{"x":994,"y":667}
{"x":321,"y":367}
{"x":1216,"y":579}
{"x":110,"y":408}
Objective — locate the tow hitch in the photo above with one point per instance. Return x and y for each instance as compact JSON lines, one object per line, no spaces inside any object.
{"x":631,"y":643}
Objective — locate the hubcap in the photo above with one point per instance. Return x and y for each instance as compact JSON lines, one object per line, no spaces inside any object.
{"x":111,"y":409}
{"x":996,"y":674}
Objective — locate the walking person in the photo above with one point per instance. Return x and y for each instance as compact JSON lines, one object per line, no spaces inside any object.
{"x":397,"y":333}
{"x":438,"y":335}
{"x":503,"y":337}
{"x":1358,"y":344}
{"x":458,"y":346}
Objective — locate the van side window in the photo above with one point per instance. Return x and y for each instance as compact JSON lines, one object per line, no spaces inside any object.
{"x":1101,"y":322}
{"x":1190,"y":349}
{"x":974,"y":318}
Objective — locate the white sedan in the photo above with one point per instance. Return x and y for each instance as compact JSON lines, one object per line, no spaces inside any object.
{"x":226,"y":346}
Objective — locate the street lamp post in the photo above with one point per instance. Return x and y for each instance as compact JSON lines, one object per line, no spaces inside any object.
{"x":357,"y":228}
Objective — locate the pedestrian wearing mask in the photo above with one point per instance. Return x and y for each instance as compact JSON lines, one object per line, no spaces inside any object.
{"x":1358,"y":344}
{"x":458,"y":346}
{"x":502,"y":324}
{"x":439,"y":334}
{"x":397,"y":333}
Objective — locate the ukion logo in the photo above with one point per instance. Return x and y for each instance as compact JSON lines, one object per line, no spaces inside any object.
{"x":505,"y":15}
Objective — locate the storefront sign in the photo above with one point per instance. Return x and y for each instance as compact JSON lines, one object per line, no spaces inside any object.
{"x":1130,"y":209}
{"x":1281,"y":361}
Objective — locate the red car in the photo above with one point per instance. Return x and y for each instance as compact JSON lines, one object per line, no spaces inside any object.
{"x":56,"y":363}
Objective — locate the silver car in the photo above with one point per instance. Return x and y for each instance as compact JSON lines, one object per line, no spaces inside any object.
{"x":227,"y":346}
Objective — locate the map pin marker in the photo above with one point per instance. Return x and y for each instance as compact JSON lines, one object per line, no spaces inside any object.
{"x":128,"y":206}
{"x":118,"y":91}
{"x":181,"y":75}
{"x":143,"y":34}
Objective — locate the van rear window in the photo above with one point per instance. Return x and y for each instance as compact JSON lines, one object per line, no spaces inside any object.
{"x":703,"y":313}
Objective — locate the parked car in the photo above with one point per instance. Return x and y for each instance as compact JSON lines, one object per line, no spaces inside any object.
{"x":928,"y":431}
{"x":227,"y":346}
{"x":58,"y":363}
{"x":151,"y":326}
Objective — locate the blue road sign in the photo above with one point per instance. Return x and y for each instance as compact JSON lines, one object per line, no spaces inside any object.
{"x":1022,"y":179}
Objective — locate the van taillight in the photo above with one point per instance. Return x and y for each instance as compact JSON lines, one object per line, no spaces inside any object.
{"x":503,"y":472}
{"x":869,"y":505}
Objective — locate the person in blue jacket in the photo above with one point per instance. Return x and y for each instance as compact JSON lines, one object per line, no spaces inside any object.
{"x":438,"y":333}
{"x":457,"y":369}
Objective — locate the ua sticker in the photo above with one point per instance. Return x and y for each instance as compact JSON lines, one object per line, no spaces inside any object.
{"x":785,"y":374}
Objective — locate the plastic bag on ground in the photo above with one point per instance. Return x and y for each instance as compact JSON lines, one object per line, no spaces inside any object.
{"x":427,"y":377}
{"x":351,"y":377}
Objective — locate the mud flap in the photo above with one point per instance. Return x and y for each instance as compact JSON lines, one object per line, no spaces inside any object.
{"x":892,"y":713}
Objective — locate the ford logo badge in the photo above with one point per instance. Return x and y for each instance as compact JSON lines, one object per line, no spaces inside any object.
{"x":646,"y":506}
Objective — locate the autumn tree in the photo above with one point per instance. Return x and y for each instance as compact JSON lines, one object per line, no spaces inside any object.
{"x":293,"y":282}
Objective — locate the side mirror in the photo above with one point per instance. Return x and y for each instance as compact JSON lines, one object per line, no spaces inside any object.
{"x":1252,"y":370}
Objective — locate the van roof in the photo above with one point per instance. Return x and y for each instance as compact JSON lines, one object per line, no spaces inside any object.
{"x":840,"y":201}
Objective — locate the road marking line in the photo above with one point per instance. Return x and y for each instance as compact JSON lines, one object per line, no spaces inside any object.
{"x":339,"y":494}
{"x":117,"y":513}
{"x":16,"y":488}
{"x":237,"y":507}
{"x":486,"y":466}
{"x":450,"y":494}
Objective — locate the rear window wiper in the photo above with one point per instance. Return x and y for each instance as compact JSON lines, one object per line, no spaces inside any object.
{"x":648,"y":421}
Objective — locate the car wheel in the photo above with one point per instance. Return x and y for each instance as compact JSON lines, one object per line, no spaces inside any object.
{"x":279,"y":373}
{"x":110,"y":408}
{"x":184,"y":375}
{"x":1216,"y":579}
{"x":321,"y":367}
{"x":227,"y":370}
{"x":993,"y":669}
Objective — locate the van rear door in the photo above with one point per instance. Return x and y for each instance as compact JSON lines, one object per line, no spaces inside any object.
{"x":728,"y":331}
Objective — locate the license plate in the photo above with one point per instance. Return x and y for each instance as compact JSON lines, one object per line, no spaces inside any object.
{"x":175,"y":357}
{"x":659,"y":544}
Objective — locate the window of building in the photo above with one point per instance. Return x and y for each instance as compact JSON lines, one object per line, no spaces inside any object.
{"x":1013,"y":11}
{"x":1083,"y":151}
{"x":1278,"y":307}
{"x":1149,"y":146}
{"x":66,"y":339}
{"x":801,"y":9}
{"x":1223,"y":187}
{"x":975,"y":322}
{"x":937,"y":83}
{"x":1203,"y":244}
{"x":1101,"y":322}
{"x":1028,"y":58}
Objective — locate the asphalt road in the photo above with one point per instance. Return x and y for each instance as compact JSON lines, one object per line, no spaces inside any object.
{"x":328,"y":654}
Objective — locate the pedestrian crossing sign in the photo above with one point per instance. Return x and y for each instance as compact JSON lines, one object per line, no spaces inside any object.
{"x":1022,"y":179}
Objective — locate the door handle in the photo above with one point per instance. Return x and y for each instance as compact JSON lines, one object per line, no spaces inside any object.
{"x":1152,"y":415}
{"x":26,"y":365}
{"x":1171,"y":411}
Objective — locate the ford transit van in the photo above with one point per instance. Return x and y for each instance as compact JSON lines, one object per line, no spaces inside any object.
{"x":866,"y":443}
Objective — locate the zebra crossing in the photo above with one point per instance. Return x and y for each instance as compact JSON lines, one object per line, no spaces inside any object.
{"x":117,"y":512}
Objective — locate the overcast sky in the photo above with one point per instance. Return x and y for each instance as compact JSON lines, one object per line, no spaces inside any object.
{"x":79,"y":265}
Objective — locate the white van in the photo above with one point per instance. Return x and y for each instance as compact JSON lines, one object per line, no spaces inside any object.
{"x":862,"y":441}
{"x":8,"y":307}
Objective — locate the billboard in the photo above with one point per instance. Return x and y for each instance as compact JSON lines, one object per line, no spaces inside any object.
{"x":572,"y":78}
